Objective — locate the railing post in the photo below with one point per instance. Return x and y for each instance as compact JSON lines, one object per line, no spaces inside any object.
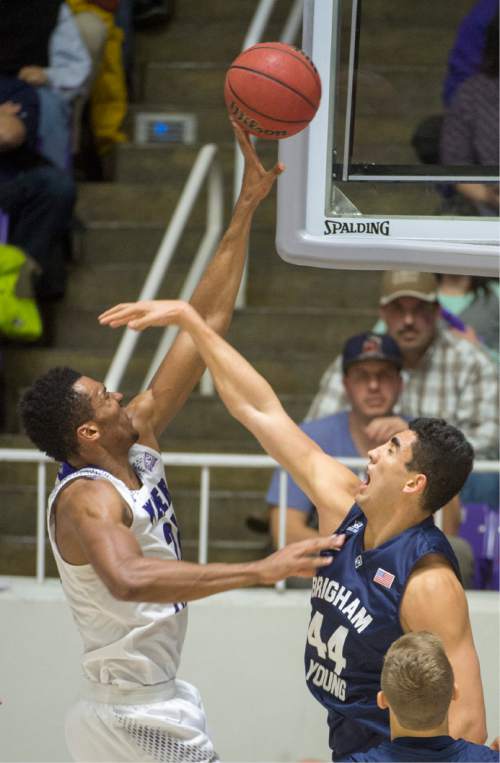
{"x":281,"y":584}
{"x":40,"y":521}
{"x":215,"y":217}
{"x":204,"y":511}
{"x":292,"y":24}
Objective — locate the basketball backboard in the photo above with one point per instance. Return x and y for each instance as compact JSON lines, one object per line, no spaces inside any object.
{"x":355,"y":195}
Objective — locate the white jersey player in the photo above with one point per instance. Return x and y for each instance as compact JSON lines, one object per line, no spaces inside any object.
{"x":115,"y":537}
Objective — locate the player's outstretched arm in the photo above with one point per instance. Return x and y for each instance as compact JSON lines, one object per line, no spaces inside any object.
{"x":250,"y":399}
{"x":214,"y":296}
{"x":435,"y":601}
{"x":96,"y":518}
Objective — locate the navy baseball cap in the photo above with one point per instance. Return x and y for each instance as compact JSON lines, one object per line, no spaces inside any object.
{"x":371,"y":346}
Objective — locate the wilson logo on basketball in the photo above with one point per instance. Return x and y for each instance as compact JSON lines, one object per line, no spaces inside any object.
{"x":252,"y":125}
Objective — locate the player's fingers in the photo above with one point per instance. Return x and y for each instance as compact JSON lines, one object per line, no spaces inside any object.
{"x":141,"y":322}
{"x":331,"y":542}
{"x":115,"y":310}
{"x":278,"y":168}
{"x":242,"y":137}
{"x":322,"y":561}
{"x":138,"y":324}
{"x":311,"y":565}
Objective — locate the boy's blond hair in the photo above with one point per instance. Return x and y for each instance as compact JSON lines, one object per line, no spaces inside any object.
{"x":417,"y":680}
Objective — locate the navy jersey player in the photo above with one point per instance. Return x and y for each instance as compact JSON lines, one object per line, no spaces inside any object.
{"x":115,"y":537}
{"x":417,"y":688}
{"x":395,"y":572}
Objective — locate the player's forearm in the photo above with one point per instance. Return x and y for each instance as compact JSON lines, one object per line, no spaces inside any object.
{"x":156,"y":580}
{"x":216,"y":293}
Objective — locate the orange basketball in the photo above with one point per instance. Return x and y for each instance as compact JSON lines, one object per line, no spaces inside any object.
{"x":273,"y":89}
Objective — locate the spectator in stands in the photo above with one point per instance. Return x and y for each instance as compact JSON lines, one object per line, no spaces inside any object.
{"x":371,"y":379}
{"x":38,"y":196}
{"x":107,"y":105}
{"x":475,"y":302}
{"x":466,"y":54}
{"x":444,"y":374}
{"x":41,"y":46}
{"x":464,"y":61}
{"x":470,"y":306}
{"x":417,"y":688}
{"x":470,"y":129}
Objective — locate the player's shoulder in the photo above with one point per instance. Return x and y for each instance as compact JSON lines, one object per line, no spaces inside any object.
{"x":478,"y":752}
{"x":432,"y":573}
{"x":432,"y":587}
{"x":85,"y":492}
{"x":141,"y":411}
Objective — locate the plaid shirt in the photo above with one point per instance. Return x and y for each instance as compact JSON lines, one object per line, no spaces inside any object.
{"x":455,"y":380}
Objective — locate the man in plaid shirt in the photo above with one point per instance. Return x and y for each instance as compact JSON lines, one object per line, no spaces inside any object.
{"x":444,"y":374}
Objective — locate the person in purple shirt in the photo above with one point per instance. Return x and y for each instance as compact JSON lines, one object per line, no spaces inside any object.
{"x":417,"y":687}
{"x":466,"y":54}
{"x":464,"y":61}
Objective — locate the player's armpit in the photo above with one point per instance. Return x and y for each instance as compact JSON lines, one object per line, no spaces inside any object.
{"x":93,"y":527}
{"x":335,"y":488}
{"x":435,"y":601}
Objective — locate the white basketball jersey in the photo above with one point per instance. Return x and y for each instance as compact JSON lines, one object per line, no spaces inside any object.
{"x":127,"y":643}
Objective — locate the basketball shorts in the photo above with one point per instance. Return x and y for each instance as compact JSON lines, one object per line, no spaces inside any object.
{"x":168,"y":726}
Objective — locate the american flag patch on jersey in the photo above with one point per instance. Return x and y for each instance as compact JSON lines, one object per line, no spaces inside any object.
{"x":383,"y":577}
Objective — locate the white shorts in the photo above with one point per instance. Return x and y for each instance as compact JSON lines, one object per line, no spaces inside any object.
{"x":172,"y":730}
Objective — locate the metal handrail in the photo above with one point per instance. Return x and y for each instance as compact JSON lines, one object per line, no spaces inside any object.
{"x":252,"y":37}
{"x":205,"y":461}
{"x":205,"y":164}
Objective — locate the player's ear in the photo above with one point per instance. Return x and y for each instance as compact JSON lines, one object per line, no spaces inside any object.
{"x":87,"y":433}
{"x":455,"y":693}
{"x":381,"y":701}
{"x":416,"y":484}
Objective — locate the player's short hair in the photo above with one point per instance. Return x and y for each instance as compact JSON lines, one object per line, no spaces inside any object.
{"x":442,"y":453}
{"x":417,"y":680}
{"x":51,"y":411}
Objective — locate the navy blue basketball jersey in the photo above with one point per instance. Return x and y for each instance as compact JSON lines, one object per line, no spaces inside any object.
{"x":355,"y":618}
{"x":427,"y":750}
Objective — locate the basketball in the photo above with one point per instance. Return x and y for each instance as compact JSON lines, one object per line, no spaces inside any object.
{"x":273,"y":90}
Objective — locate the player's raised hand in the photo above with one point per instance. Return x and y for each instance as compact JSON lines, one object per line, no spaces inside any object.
{"x":302,"y":559}
{"x":146,"y":313}
{"x":257,"y":181}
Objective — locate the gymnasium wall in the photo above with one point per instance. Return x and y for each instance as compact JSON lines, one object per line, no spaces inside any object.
{"x":243,"y":651}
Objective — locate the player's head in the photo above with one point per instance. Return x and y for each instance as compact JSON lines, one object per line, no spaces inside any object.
{"x":371,"y":364}
{"x":410,"y":309}
{"x":443,"y":454}
{"x":417,"y":682}
{"x":426,"y":465}
{"x":67,"y":415}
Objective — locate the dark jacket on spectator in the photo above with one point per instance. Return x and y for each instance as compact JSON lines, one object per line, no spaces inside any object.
{"x":25,"y":29}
